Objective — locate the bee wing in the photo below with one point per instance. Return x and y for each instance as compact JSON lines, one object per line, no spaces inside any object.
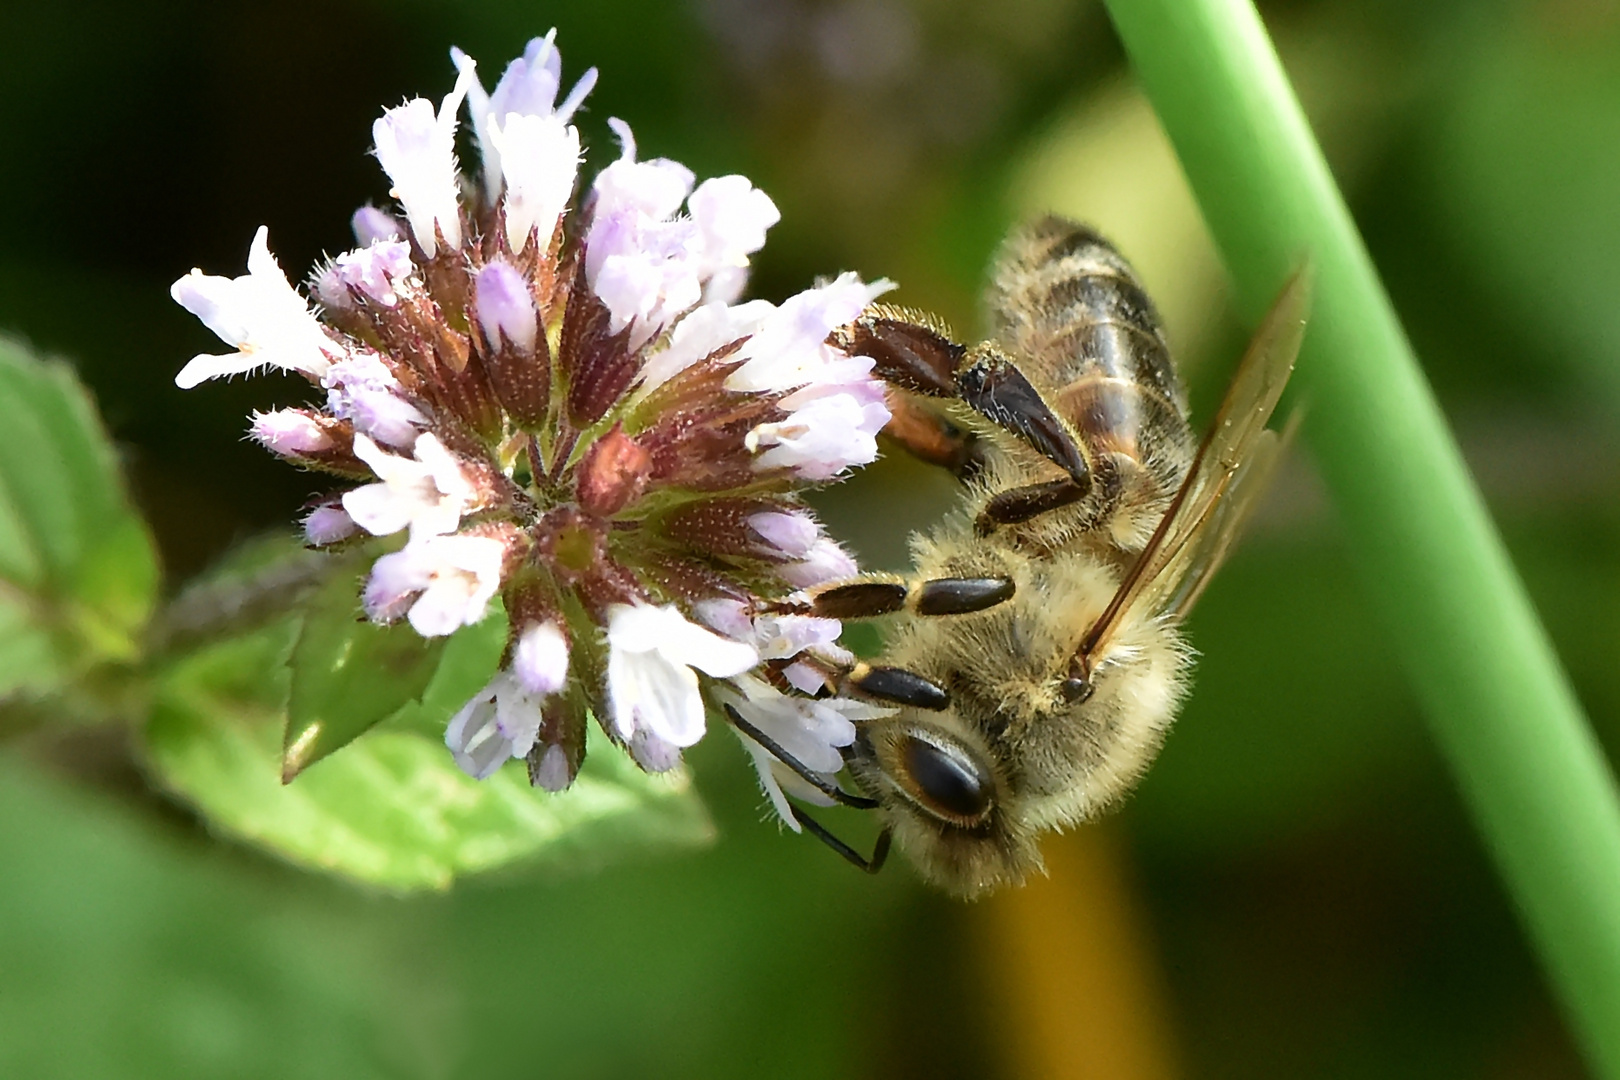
{"x":1236,"y":459}
{"x":1208,"y":550}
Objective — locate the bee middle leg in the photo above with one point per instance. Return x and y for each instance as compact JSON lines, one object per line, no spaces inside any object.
{"x":875,"y":594}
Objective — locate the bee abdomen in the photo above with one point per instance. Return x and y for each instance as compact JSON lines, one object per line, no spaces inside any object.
{"x":1070,"y":306}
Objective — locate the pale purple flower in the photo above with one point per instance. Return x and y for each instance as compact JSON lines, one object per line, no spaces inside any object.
{"x":652,"y":753}
{"x":528,"y":88}
{"x":363,"y":391}
{"x":731,"y":216}
{"x":328,"y":524}
{"x":427,"y":493}
{"x":790,"y":348}
{"x":554,"y":773}
{"x":442,"y":582}
{"x":726,"y":616}
{"x":778,"y":637}
{"x":501,"y":722}
{"x":650,"y":681}
{"x":549,"y":468}
{"x":371,"y":225}
{"x":375,"y":271}
{"x":539,"y":161}
{"x":791,"y":534}
{"x":825,"y":561}
{"x":805,"y":678}
{"x":700,"y":332}
{"x":260,"y":313}
{"x":823,"y":438}
{"x":540,"y":659}
{"x":506,"y":309}
{"x":417,"y":149}
{"x":289,"y":432}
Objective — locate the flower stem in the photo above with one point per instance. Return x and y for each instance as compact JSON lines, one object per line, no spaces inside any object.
{"x":1497,"y":701}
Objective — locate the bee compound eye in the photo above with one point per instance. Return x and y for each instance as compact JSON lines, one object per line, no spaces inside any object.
{"x":946,"y":781}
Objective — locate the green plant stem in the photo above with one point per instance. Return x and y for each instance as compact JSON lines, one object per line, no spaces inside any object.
{"x":1499,"y":705}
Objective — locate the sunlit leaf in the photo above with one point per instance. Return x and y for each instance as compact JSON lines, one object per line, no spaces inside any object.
{"x":78,"y":574}
{"x":348,"y":673}
{"x":392,"y":809}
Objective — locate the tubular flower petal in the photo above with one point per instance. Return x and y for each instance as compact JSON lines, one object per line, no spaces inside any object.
{"x":260,"y":313}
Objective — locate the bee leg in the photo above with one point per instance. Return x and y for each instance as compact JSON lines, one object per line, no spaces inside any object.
{"x":1022,"y":503}
{"x":991,"y":385}
{"x":814,"y":779}
{"x":880,"y":850}
{"x":870,"y":597}
{"x":929,"y":436}
{"x":897,"y":685}
{"x":912,"y":349}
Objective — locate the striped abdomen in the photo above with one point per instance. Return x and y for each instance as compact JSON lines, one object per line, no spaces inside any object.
{"x":1070,"y":311}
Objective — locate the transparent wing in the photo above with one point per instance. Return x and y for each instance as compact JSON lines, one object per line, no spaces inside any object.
{"x":1233,"y":465}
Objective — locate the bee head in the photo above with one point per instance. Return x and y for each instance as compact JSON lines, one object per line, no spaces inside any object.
{"x":945,"y":802}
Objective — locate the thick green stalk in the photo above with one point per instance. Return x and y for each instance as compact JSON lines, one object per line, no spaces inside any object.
{"x":1497,"y":701}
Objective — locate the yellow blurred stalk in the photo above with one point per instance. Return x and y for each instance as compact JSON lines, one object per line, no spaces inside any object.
{"x":1074,"y":986}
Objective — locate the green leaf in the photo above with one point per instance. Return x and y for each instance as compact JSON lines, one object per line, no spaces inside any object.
{"x":348,"y":673}
{"x":78,"y":573}
{"x":392,"y":810}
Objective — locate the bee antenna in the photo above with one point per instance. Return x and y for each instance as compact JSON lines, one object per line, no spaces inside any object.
{"x":809,"y":776}
{"x":880,"y":850}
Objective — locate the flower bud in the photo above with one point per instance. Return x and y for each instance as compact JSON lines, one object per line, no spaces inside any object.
{"x":516,"y":356}
{"x":614,"y":473}
{"x":290,"y":432}
{"x":540,"y":659}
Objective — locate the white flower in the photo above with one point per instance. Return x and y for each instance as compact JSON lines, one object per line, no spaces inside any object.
{"x":791,"y":534}
{"x":804,"y":678}
{"x":363,"y":391}
{"x":824,"y":437}
{"x":289,"y":432}
{"x":650,"y":682}
{"x":501,"y":722}
{"x":443,"y":582}
{"x":777,"y":637}
{"x":528,"y":88}
{"x":260,"y":313}
{"x":417,"y":149}
{"x":824,"y":562}
{"x":645,"y":263}
{"x":373,"y":271}
{"x":327,"y":525}
{"x":731,"y":216}
{"x":809,"y":730}
{"x":700,"y":332}
{"x":540,"y":660}
{"x":790,"y":349}
{"x":428,"y":493}
{"x":539,"y":161}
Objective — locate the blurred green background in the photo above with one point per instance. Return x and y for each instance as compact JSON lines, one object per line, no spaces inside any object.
{"x":1293,"y":892}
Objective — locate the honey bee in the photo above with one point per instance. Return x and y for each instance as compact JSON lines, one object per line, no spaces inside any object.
{"x":1038,"y":658}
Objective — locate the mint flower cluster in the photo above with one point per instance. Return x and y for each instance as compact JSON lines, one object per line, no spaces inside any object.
{"x":552,"y":393}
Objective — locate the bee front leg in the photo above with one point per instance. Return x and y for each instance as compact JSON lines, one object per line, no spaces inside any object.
{"x":874,"y":595}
